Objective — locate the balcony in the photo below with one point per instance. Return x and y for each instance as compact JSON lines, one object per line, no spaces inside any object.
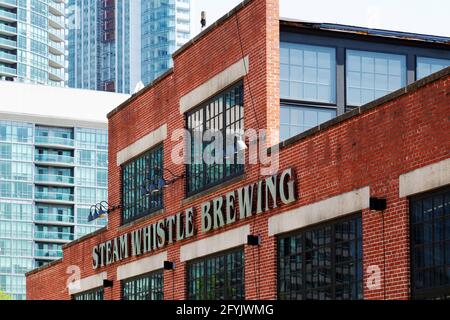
{"x":54,"y":141}
{"x":8,"y":57}
{"x":7,"y":71}
{"x":8,"y":16}
{"x":54,"y":235}
{"x":56,"y":8}
{"x":53,"y":218}
{"x":8,"y":44}
{"x":51,"y":179}
{"x":8,"y":3}
{"x":55,"y":159}
{"x":7,"y":30}
{"x":55,"y":74}
{"x":56,"y":48}
{"x":56,"y":35}
{"x":48,"y":254}
{"x":56,"y":22}
{"x":54,"y":197}
{"x":56,"y":61}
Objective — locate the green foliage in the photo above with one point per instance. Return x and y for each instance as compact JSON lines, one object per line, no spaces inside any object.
{"x":4,"y":296}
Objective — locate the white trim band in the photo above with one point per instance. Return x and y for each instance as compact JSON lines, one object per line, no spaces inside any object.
{"x":220,"y":242}
{"x":214,"y":85}
{"x":423,"y":179}
{"x":141,"y":266}
{"x":321,"y":211}
{"x":86,"y":284}
{"x":142,"y":145}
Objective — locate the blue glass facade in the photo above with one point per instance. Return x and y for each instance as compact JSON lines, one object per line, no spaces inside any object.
{"x":32,"y":45}
{"x":49,"y":178}
{"x":116,"y":44}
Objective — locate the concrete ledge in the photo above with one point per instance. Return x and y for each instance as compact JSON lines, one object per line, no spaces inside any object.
{"x":424,"y":179}
{"x":321,"y":211}
{"x":214,"y":85}
{"x":220,"y":242}
{"x":142,"y":145}
{"x":141,"y":266}
{"x":88,"y":283}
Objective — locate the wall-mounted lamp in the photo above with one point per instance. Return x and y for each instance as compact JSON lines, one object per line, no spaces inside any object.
{"x":169,"y":265}
{"x":253,"y":240}
{"x":378,"y":204}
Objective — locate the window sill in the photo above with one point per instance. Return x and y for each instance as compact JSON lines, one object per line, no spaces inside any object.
{"x":141,"y":220}
{"x":213,"y":189}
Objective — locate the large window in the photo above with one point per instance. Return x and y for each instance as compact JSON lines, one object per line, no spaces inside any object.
{"x":427,"y":66}
{"x":297,"y":119}
{"x":96,"y":294}
{"x":217,"y":278}
{"x":430,"y":245}
{"x":137,"y":198}
{"x":223,"y":115}
{"x":308,"y":73}
{"x":147,"y":287}
{"x":371,"y":75}
{"x":322,"y":263}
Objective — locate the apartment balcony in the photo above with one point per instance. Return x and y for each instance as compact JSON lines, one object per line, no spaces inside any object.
{"x":54,"y":197}
{"x":47,"y":141}
{"x":56,"y":8}
{"x":47,"y":254}
{"x":56,"y":74}
{"x":53,"y":236}
{"x":8,"y":3}
{"x":53,"y":219}
{"x":52,"y":159}
{"x":7,"y":16}
{"x":56,"y":35}
{"x":8,"y":44}
{"x":56,"y":48}
{"x":7,"y":71}
{"x":56,"y":61}
{"x":56,"y":22}
{"x":8,"y":57}
{"x":54,"y":180}
{"x":8,"y":30}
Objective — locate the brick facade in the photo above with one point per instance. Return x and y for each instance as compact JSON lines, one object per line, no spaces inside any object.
{"x":370,"y":146}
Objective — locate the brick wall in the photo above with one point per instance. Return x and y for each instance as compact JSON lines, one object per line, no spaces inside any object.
{"x":368,"y":149}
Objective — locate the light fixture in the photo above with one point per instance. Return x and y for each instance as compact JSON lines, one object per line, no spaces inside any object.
{"x":378,"y":204}
{"x":253,"y":240}
{"x":169,"y":265}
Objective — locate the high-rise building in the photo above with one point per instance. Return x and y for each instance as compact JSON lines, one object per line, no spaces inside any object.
{"x":32,"y":35}
{"x":115,"y":44}
{"x":52,"y":170}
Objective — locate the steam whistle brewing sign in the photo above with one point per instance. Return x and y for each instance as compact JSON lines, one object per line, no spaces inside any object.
{"x":222,"y":211}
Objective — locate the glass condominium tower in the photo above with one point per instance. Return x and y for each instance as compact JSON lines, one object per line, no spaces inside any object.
{"x":32,"y":41}
{"x":52,"y":170}
{"x":115,"y":44}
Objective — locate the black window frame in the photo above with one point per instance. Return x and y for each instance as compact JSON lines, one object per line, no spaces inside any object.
{"x":157,"y":275}
{"x":88,"y":295}
{"x":235,"y":169}
{"x":355,"y":217}
{"x":203,"y":295}
{"x":142,"y":182}
{"x":439,"y":292}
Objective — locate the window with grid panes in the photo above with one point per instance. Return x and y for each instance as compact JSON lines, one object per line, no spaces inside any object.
{"x":96,"y":294}
{"x":322,"y":263}
{"x":430,"y":245}
{"x":219,"y":277}
{"x":223,"y":114}
{"x":136,"y":176}
{"x":146,"y":287}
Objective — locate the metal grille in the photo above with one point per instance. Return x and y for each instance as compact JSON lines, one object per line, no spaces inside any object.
{"x":96,"y":294}
{"x":147,"y":287}
{"x":223,"y":114}
{"x":136,"y":176}
{"x":322,"y":263}
{"x":219,"y":277}
{"x":430,"y":245}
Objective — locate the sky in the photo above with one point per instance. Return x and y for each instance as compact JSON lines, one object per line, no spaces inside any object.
{"x":417,"y":16}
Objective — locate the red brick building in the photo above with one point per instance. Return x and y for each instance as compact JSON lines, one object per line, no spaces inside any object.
{"x":359,"y":206}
